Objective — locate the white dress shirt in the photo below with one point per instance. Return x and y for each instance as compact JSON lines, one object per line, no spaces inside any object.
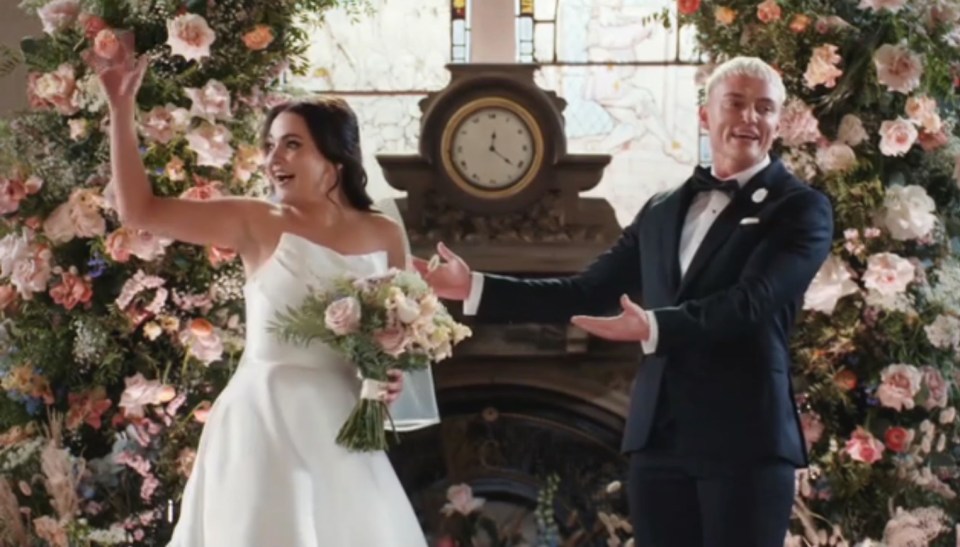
{"x":703,"y":211}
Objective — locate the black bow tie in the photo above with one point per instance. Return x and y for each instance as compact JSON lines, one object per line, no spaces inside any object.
{"x":704,"y":181}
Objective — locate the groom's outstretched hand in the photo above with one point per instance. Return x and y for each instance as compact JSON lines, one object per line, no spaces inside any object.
{"x":447,"y":274}
{"x":629,"y":326}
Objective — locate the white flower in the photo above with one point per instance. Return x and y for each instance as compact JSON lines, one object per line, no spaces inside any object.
{"x":189,"y":36}
{"x":58,"y":15}
{"x":948,"y":416}
{"x":851,"y":130}
{"x":836,"y":157}
{"x":212,"y":101}
{"x":832,"y":282}
{"x":909,"y":212}
{"x":212,"y":144}
{"x":888,"y":273}
{"x":162,"y":124}
{"x":944,"y":332}
{"x":877,"y":5}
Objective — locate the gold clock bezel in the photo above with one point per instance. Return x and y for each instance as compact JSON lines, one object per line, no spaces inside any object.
{"x":453,"y":125}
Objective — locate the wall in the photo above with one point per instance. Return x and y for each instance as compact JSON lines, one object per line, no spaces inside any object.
{"x":14,"y":25}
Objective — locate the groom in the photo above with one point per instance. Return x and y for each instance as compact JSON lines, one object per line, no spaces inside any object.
{"x":720,"y":266}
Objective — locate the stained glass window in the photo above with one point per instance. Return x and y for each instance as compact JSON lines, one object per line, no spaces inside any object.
{"x":383,"y":62}
{"x":629,"y":86}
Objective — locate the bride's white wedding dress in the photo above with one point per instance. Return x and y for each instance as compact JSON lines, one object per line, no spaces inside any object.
{"x":268,"y":471}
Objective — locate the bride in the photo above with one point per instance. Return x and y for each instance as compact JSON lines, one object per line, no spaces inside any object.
{"x":268,"y":472}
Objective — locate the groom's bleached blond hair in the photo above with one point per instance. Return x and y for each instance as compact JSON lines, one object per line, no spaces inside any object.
{"x":753,"y":67}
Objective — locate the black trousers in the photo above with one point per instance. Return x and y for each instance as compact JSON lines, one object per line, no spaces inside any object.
{"x":676,"y":503}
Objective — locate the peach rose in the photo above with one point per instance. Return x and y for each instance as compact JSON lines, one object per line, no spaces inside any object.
{"x":106,"y":45}
{"x":799,"y":23}
{"x":822,"y":67}
{"x":72,"y":290}
{"x":724,"y":15}
{"x":259,"y":38}
{"x":342,"y":316}
{"x":922,"y":110}
{"x":768,"y":11}
{"x":8,"y":297}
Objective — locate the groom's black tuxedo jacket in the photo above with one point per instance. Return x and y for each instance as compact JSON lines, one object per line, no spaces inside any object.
{"x":722,"y":361}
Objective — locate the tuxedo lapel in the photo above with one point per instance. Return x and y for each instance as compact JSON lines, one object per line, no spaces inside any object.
{"x":674,"y":213}
{"x":747,"y":202}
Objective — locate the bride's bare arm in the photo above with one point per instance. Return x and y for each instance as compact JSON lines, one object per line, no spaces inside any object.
{"x":394,"y":241}
{"x":223,"y":222}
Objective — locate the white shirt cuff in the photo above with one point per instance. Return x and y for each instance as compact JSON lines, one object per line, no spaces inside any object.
{"x":472,"y":303}
{"x":650,"y":344}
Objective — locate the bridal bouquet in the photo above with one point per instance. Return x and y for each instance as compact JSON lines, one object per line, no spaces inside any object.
{"x":383,"y":322}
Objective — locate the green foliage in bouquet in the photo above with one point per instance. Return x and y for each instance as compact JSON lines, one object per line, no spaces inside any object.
{"x":120,"y":337}
{"x":871,"y":119}
{"x":392,"y":321}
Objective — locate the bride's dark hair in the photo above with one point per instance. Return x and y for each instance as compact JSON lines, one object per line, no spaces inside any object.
{"x":335,"y":132}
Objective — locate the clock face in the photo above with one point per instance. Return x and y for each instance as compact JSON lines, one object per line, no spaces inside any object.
{"x":492,"y":148}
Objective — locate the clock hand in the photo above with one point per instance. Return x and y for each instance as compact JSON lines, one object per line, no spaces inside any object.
{"x":504,"y":158}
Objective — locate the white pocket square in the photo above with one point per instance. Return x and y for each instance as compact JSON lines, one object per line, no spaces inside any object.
{"x":750,"y":220}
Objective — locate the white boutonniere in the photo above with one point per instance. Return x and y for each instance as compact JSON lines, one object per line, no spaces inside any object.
{"x":759,"y":195}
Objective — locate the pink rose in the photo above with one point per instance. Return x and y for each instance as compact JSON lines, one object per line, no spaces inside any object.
{"x":393,"y":341}
{"x":342,"y":316}
{"x":72,"y":290}
{"x":798,"y":125}
{"x":864,"y":447}
{"x":212,"y":101}
{"x":211,"y":144}
{"x":888,"y":273}
{"x":899,"y":385}
{"x":937,"y":387}
{"x":836,"y":157}
{"x":922,"y":110}
{"x":162,"y":124}
{"x":460,"y":500}
{"x":897,"y":136}
{"x":189,"y":36}
{"x":932,"y":141}
{"x":898,"y":68}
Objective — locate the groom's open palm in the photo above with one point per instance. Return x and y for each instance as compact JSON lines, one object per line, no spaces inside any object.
{"x":449,"y":278}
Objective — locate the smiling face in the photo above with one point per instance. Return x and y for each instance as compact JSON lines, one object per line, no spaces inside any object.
{"x":296,"y":168}
{"x":742,"y":116}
